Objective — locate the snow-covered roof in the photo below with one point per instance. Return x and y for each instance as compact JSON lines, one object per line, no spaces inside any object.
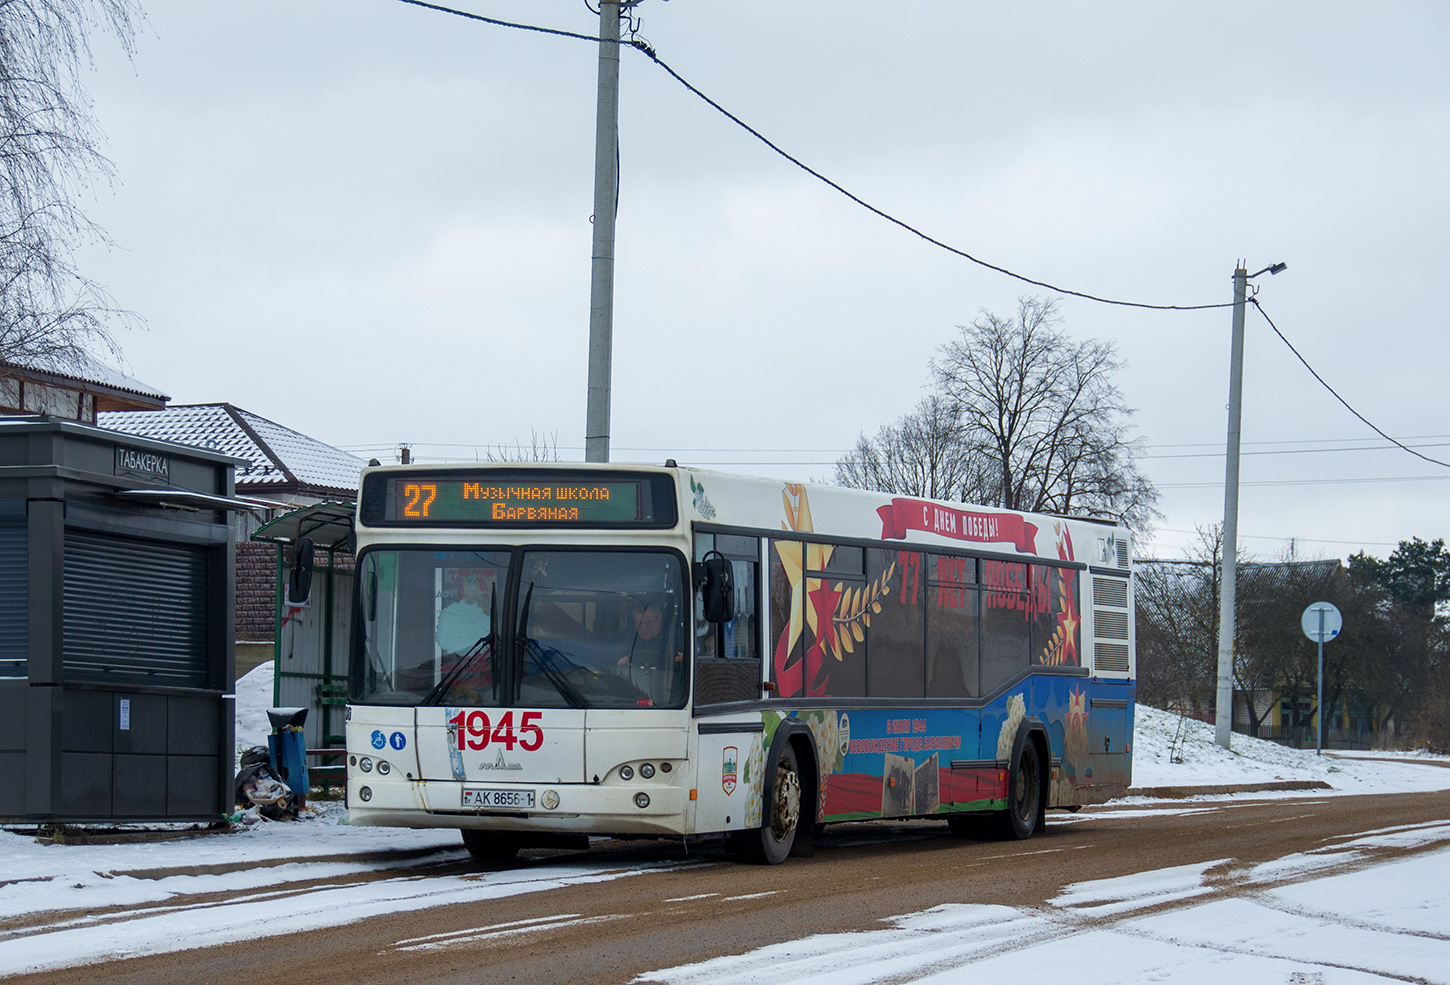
{"x":281,"y":459}
{"x":88,"y":369}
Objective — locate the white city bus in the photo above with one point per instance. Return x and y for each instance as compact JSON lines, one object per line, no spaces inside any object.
{"x":542,"y":653}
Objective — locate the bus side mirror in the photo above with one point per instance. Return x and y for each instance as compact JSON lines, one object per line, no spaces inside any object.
{"x":299,"y":586}
{"x":715,"y":578}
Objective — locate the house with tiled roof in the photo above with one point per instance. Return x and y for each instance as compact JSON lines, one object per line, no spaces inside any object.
{"x":77,"y":390}
{"x":284,"y":467}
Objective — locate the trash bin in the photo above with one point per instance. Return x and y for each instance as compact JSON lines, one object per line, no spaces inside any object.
{"x":288,"y":746}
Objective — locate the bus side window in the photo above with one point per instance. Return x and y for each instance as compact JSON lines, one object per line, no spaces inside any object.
{"x":896,"y":639}
{"x":707,"y":639}
{"x":951,"y":627}
{"x":835,"y":591}
{"x":1006,"y":623}
{"x":727,"y":655}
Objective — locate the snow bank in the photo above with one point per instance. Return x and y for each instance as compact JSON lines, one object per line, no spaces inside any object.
{"x":1169,"y":751}
{"x":254,"y":697}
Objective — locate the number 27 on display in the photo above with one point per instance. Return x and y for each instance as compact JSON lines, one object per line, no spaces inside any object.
{"x":474,"y":730}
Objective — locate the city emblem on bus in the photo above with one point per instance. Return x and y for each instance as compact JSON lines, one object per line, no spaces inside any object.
{"x":727,"y":769}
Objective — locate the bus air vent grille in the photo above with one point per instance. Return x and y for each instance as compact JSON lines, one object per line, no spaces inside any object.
{"x":1112,"y":658}
{"x":1110,"y":591}
{"x":1110,"y":625}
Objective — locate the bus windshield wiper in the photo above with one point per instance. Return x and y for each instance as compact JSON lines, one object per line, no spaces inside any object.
{"x":484,"y":644}
{"x":542,"y":656}
{"x":544,"y":660}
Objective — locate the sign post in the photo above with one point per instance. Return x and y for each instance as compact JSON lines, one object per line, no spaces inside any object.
{"x":1321,"y":621}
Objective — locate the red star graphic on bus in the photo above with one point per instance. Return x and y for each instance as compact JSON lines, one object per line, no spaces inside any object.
{"x":823,"y":601}
{"x":1068,"y":623}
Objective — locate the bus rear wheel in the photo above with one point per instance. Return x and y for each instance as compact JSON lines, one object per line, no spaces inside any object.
{"x":771,"y":843}
{"x":490,"y":846}
{"x":1024,"y":795}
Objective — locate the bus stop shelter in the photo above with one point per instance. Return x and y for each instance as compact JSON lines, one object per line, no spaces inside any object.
{"x":312,"y":638}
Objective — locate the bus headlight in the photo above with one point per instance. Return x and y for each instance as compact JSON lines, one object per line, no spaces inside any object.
{"x":365,"y":764}
{"x":626,"y":772}
{"x":550,"y":799}
{"x":646,"y":771}
{"x":383,"y":767}
{"x":641,"y":799}
{"x":365,"y":794}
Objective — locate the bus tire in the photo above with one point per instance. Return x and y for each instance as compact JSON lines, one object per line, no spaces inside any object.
{"x":771,"y":843}
{"x":490,"y":846}
{"x":1024,"y":794}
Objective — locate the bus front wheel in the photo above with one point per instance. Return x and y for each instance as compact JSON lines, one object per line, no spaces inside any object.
{"x":490,"y":846}
{"x":771,"y":843}
{"x":1024,"y":795}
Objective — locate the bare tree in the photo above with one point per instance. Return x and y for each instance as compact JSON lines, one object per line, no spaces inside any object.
{"x":49,"y":152}
{"x":541,"y":448}
{"x":1045,"y":411}
{"x":922,"y":454}
{"x":1177,"y":625}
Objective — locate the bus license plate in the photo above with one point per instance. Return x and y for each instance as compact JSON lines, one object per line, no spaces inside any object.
{"x":507,"y":800}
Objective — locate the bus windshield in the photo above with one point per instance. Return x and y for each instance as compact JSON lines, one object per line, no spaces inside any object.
{"x":580,"y":629}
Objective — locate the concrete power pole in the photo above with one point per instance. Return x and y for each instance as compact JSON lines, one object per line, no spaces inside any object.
{"x":1223,"y":715}
{"x":606,"y":195}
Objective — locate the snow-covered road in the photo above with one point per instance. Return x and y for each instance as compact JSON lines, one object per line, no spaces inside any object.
{"x":1367,"y":909}
{"x":1366,"y":905}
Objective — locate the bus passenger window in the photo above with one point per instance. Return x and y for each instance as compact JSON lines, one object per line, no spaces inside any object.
{"x":951,"y":628}
{"x":787,"y":618}
{"x":897,"y":636}
{"x":727,"y":655}
{"x":1057,"y":624}
{"x":838,"y":616}
{"x":1006,"y":624}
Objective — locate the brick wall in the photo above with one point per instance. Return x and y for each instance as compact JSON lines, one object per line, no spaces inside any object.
{"x":256,"y":591}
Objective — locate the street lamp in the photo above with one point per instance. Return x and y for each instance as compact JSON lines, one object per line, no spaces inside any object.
{"x":1223,"y":705}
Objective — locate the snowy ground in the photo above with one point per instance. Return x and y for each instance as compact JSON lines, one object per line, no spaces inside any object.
{"x":1256,"y":936}
{"x":1390,"y":921}
{"x":1173,"y":751}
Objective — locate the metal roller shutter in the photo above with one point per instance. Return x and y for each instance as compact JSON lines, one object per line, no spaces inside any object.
{"x":14,"y":591}
{"x":135,"y":611}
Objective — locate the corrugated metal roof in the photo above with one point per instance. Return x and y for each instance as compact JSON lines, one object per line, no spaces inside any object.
{"x":278,"y":455}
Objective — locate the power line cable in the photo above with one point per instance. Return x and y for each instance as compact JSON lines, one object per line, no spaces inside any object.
{"x":653,"y":56}
{"x":1335,"y":394}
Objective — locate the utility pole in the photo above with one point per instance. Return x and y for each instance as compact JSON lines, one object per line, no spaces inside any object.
{"x":606,"y":203}
{"x":1223,"y":715}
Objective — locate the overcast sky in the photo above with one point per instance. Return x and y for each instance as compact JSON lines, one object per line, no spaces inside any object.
{"x":370,"y":222}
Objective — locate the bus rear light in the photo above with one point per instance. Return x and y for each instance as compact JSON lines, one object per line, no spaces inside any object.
{"x":365,"y":794}
{"x":550,"y":799}
{"x":384,"y":768}
{"x":627,"y":772}
{"x":665,"y":767}
{"x":365,"y":764}
{"x":694,"y":795}
{"x":641,"y":800}
{"x":646,"y":771}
